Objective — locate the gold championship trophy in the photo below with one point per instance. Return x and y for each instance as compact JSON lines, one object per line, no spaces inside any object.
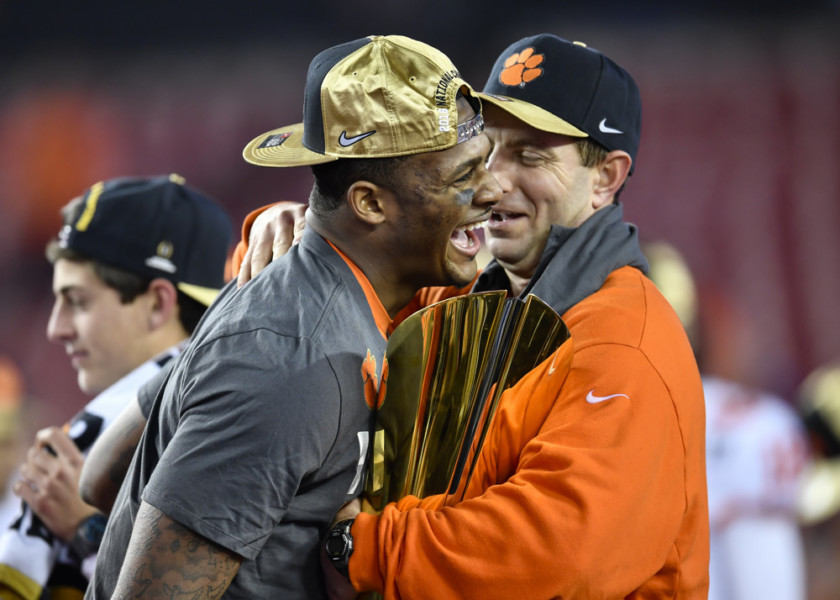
{"x":444,"y":373}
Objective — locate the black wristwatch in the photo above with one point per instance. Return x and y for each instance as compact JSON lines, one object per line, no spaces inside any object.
{"x":88,"y":535}
{"x":339,"y":545}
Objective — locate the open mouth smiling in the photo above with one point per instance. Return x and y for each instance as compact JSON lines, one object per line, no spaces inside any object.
{"x":465,"y":238}
{"x":501,"y":217}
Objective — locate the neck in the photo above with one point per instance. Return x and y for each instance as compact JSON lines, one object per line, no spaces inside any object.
{"x":361,"y":246}
{"x":392,"y":293}
{"x":163,"y":338}
{"x":519,"y":275}
{"x":518,"y":283}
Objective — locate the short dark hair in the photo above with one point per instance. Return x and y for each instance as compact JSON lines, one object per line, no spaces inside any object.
{"x":593,"y":154}
{"x":333,"y":179}
{"x":129,"y":285}
{"x":190,"y":311}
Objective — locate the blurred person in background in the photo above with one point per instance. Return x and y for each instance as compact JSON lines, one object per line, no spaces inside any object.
{"x":756,"y":455}
{"x":818,"y":401}
{"x":134,"y":267}
{"x":12,"y":429}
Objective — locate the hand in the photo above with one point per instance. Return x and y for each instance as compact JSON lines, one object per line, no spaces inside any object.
{"x":50,"y":482}
{"x":337,"y":585}
{"x":349,"y":511}
{"x":273,"y":232}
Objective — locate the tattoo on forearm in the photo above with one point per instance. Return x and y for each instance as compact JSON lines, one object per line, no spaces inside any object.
{"x":173,"y":562}
{"x":178,"y":593}
{"x":141,"y":582}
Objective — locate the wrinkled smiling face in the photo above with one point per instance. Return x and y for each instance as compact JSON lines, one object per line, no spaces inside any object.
{"x":544,"y":183}
{"x":445,"y":197}
{"x":103,"y":337}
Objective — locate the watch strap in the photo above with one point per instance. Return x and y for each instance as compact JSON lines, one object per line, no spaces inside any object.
{"x":88,"y":536}
{"x":339,"y":546}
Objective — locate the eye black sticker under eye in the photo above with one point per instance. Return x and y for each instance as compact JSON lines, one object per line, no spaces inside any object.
{"x":465,"y":197}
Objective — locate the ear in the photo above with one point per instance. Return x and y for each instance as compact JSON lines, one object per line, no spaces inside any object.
{"x":163,"y":302}
{"x":612,"y":174}
{"x":367,"y":201}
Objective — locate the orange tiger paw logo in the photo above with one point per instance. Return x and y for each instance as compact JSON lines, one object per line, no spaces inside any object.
{"x":522,"y":67}
{"x":374,"y":387}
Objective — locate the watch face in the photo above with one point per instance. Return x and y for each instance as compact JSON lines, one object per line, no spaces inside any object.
{"x":339,"y":545}
{"x":336,"y":544}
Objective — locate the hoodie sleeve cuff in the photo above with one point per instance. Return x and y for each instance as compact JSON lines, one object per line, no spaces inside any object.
{"x":365,"y":574}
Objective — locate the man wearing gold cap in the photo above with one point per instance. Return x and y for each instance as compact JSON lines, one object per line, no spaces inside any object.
{"x":599,"y":491}
{"x":259,"y":433}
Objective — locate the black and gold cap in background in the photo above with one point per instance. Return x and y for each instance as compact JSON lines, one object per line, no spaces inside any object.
{"x":376,"y":97}
{"x":154,"y":227}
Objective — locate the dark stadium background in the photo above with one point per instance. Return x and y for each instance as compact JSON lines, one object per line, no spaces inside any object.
{"x":738,"y":166}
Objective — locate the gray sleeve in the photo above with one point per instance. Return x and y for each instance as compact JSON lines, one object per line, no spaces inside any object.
{"x":147,"y":392}
{"x":258,"y":412}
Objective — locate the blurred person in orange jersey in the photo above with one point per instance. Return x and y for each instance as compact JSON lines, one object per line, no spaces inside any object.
{"x":756,"y":456}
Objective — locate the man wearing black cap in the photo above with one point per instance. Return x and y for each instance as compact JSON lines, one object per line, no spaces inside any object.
{"x":598,"y":491}
{"x":260,"y":433}
{"x":134,"y":268}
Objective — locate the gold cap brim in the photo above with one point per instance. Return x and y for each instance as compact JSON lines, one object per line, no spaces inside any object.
{"x":282,"y":147}
{"x":532,"y":114}
{"x":205,"y":295}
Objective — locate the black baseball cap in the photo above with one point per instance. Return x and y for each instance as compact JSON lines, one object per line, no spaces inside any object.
{"x":154,"y":227}
{"x":565,"y":87}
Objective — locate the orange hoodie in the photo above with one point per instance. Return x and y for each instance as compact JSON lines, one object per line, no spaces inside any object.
{"x":593,"y":490}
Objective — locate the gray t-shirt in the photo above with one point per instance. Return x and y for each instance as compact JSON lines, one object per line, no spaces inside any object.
{"x":260,"y":432}
{"x":147,"y":392}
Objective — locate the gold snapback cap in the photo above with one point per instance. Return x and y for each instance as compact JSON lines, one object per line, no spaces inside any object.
{"x":376,"y":97}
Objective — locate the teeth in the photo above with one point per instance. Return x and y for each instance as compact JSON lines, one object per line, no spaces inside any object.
{"x":472,"y":226}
